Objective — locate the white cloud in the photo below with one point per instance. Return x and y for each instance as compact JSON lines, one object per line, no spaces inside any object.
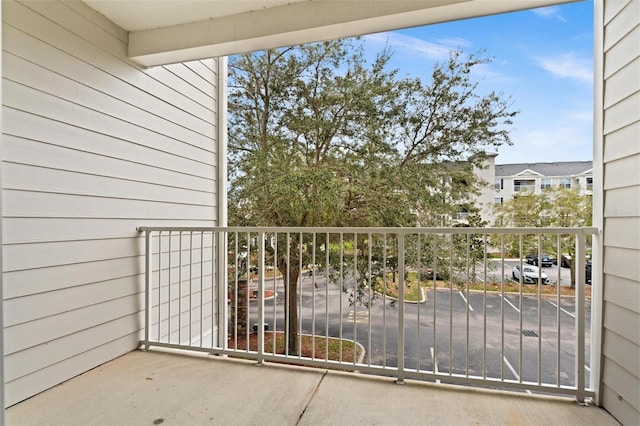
{"x":568,"y":65}
{"x":552,"y":12}
{"x":406,"y":44}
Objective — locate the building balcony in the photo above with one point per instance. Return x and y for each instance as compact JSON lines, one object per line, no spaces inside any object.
{"x":158,"y":387}
{"x":398,"y":325}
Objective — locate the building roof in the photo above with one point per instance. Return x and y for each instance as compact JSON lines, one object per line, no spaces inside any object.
{"x":561,"y":168}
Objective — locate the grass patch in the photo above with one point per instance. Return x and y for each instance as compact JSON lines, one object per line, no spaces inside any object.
{"x":349,"y":349}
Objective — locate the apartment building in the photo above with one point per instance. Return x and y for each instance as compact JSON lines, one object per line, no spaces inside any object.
{"x":510,"y":179}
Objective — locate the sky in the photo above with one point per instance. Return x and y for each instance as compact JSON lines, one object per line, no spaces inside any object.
{"x":542,"y":60}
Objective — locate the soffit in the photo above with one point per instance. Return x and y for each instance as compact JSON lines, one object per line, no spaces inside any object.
{"x":169,"y":31}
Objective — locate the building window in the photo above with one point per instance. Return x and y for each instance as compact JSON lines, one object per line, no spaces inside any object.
{"x":498,"y":200}
{"x":523,"y":185}
{"x":499,"y":184}
{"x":545,"y":183}
{"x":590,"y":184}
{"x":564,"y":182}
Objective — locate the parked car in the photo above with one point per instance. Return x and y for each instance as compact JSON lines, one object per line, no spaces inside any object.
{"x":565,"y":260}
{"x":545,"y":260}
{"x":530,"y":274}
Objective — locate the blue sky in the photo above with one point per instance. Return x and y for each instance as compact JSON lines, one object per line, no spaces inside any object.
{"x":542,"y":58}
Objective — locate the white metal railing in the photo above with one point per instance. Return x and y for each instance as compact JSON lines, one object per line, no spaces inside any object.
{"x":436,"y":304}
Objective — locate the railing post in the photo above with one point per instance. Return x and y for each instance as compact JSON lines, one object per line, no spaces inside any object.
{"x":147,"y":287}
{"x":401,"y":248}
{"x":261,"y":242}
{"x":579,"y":266}
{"x":223,"y":309}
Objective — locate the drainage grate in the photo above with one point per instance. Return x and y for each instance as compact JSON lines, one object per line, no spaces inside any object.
{"x":529,"y":333}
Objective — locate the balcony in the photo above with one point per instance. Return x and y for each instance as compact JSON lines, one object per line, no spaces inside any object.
{"x":157,"y":387}
{"x":439,"y":310}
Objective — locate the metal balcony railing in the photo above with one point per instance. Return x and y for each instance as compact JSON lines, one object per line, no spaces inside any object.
{"x":440,"y":304}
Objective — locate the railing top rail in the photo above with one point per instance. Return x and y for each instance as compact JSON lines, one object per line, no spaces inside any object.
{"x":376,"y":230}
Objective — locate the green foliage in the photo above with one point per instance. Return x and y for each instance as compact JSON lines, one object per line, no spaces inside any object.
{"x":555,"y":207}
{"x":320,"y":137}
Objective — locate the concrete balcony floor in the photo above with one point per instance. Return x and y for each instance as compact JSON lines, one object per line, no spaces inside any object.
{"x":157,"y":387}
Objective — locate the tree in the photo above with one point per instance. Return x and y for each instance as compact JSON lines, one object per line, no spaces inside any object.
{"x":319,"y":137}
{"x":555,"y":207}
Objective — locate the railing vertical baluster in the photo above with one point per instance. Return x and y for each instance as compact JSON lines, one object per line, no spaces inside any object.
{"x":451,"y":304}
{"x":384,"y":300}
{"x":214,"y":297}
{"x":313,"y":296}
{"x":246,"y":295}
{"x":260,"y":299}
{"x":180,"y":288}
{"x":287,"y":304}
{"x":520,"y":310}
{"x":326,"y":299}
{"x":434,"y":240}
{"x":484,"y":308}
{"x":369,"y":282}
{"x":158,"y":337}
{"x":169,"y":293}
{"x":201,"y":287}
{"x":147,"y":287}
{"x":502,"y":357}
{"x":558,"y":311}
{"x":468,"y":301}
{"x":275,"y":282}
{"x":355,"y":291}
{"x":236,"y":294}
{"x":190,"y":287}
{"x":401,"y":249}
{"x":299,"y":284}
{"x":341,"y":289}
{"x":418,"y":304}
{"x":579,"y":265}
{"x":539,"y":308}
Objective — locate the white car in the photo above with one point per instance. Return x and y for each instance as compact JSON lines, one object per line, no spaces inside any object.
{"x":530,"y":274}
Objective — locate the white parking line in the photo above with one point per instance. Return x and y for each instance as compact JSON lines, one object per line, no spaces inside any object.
{"x":562,"y":309}
{"x":465,"y":300}
{"x":511,"y":304}
{"x":513,"y":370}
{"x":435,"y":365}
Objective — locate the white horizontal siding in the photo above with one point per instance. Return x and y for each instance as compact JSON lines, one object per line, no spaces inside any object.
{"x":622,"y":232}
{"x":622,"y":263}
{"x":622,"y":113}
{"x":622,"y":202}
{"x":621,"y":336}
{"x":622,"y":52}
{"x":622,"y":352}
{"x":43,"y":379}
{"x":614,"y":403}
{"x":623,"y":82}
{"x":623,"y":172}
{"x":618,"y":143}
{"x":20,"y":230}
{"x":93,"y":147}
{"x":622,"y":22}
{"x":623,"y":293}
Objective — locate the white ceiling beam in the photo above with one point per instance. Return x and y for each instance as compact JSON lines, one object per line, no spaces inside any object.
{"x":303,"y":22}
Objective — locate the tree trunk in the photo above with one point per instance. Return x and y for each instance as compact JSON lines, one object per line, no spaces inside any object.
{"x":291,"y":311}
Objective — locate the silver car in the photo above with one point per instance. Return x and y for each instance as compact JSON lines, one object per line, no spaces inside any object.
{"x":530,"y":274}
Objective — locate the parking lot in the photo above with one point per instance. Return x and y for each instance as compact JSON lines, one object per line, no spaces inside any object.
{"x":495,"y":269}
{"x":515,"y":337}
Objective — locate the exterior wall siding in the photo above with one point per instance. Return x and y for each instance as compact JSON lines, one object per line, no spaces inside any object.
{"x":621,"y":151}
{"x":93,"y":146}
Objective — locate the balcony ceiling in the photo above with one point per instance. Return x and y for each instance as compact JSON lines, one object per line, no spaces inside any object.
{"x":169,"y":31}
